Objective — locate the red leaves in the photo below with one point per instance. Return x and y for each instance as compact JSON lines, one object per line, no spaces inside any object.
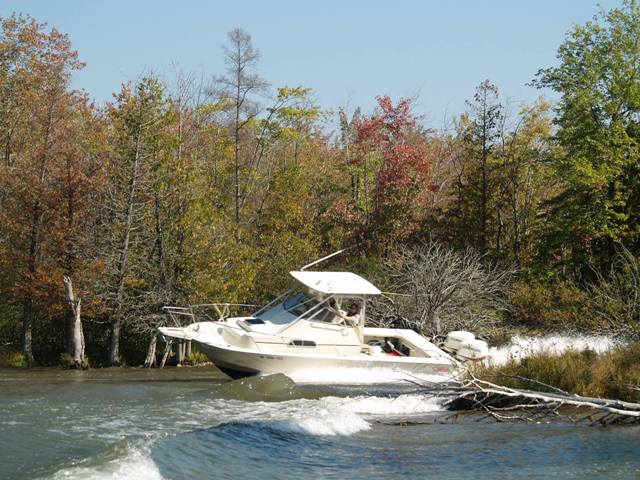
{"x":391,"y":176}
{"x":394,"y":136}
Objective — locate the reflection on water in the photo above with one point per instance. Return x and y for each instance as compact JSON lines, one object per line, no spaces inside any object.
{"x":194,"y":423}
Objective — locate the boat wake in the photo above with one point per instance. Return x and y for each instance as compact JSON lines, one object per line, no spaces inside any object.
{"x":521,"y":347}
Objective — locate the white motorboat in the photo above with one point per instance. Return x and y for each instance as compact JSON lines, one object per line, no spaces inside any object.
{"x":318,"y":331}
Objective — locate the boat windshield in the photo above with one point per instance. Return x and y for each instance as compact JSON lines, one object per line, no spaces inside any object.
{"x":294,"y":305}
{"x":299,"y":304}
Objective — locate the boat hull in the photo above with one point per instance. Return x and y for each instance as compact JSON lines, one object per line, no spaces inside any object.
{"x":347,"y":369}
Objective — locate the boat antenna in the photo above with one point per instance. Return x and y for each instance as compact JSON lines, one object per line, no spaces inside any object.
{"x":323,"y":259}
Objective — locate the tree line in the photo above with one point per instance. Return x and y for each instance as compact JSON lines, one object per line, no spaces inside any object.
{"x":189,"y":190}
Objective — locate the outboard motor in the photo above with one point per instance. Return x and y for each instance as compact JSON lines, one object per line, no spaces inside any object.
{"x":465,"y":346}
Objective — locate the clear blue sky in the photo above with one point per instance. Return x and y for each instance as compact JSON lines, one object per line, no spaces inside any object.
{"x":346,"y":51}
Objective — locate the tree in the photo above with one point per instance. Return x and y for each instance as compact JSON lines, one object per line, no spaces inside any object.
{"x":523,"y":182}
{"x":35,"y":70}
{"x":347,"y":140}
{"x":390,"y":171}
{"x":237,"y":89}
{"x":479,"y":133}
{"x":598,"y":129}
{"x":78,"y":181}
{"x":139,"y":117}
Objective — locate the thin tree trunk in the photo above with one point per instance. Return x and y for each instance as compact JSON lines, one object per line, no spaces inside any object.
{"x":77,"y":336}
{"x":167,"y":350}
{"x":36,"y":224}
{"x":27,"y":313}
{"x":116,"y":325}
{"x":7,"y":149}
{"x":27,"y":303}
{"x":437,"y":327}
{"x":162,"y":271}
{"x":237,"y":164}
{"x":180,"y":348}
{"x":484,"y":190}
{"x":150,"y":361}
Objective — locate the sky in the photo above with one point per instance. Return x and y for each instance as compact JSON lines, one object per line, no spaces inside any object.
{"x":348,"y":52}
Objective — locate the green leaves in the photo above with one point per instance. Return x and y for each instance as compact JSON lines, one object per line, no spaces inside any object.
{"x":597,"y":117}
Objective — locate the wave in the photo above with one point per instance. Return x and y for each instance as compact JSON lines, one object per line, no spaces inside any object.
{"x":323,"y":425}
{"x":122,"y":462}
{"x":521,"y":347}
{"x":344,"y":416}
{"x":232,"y":422}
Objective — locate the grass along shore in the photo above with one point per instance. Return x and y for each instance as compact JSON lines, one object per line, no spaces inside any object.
{"x":614,"y":374}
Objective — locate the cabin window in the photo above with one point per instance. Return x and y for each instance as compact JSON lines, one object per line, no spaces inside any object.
{"x":302,"y":343}
{"x":255,"y":321}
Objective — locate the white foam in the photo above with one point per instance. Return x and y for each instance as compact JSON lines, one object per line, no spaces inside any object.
{"x":323,"y":416}
{"x":346,"y":416}
{"x":521,"y":347}
{"x":401,"y":405}
{"x":324,"y":423}
{"x":360,"y":376}
{"x":136,"y":464}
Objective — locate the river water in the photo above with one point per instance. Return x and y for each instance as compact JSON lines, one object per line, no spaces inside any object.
{"x":193,"y":423}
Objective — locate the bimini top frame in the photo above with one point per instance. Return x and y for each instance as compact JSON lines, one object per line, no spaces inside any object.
{"x":336,"y":283}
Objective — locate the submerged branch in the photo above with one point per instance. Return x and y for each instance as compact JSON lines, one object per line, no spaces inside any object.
{"x":505,"y":404}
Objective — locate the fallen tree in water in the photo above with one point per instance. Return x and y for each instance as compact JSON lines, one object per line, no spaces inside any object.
{"x":507,"y":404}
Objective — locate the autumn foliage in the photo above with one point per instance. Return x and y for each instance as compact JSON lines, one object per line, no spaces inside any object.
{"x":192,"y":191}
{"x":390,"y":169}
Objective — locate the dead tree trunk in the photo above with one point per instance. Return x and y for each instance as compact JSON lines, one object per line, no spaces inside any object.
{"x":150,"y":361}
{"x":167,"y":350}
{"x":180,"y":348}
{"x":76,"y":336}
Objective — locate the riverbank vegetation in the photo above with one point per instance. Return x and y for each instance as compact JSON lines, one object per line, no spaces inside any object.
{"x":182,"y":190}
{"x":612,"y":374}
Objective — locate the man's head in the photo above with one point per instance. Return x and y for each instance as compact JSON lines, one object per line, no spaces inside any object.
{"x":353,"y":309}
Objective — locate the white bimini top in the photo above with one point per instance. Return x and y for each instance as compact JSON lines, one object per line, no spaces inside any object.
{"x":336,"y":283}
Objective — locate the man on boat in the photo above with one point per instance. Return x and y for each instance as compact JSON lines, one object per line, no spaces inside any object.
{"x":351,"y":317}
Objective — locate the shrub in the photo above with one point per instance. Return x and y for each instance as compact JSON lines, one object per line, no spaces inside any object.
{"x":616,"y":295}
{"x":66,"y":361}
{"x":559,"y":306}
{"x":440,"y":289}
{"x":196,"y":358}
{"x":14,"y":359}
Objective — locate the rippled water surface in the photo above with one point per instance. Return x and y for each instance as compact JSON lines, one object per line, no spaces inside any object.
{"x":193,"y":423}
